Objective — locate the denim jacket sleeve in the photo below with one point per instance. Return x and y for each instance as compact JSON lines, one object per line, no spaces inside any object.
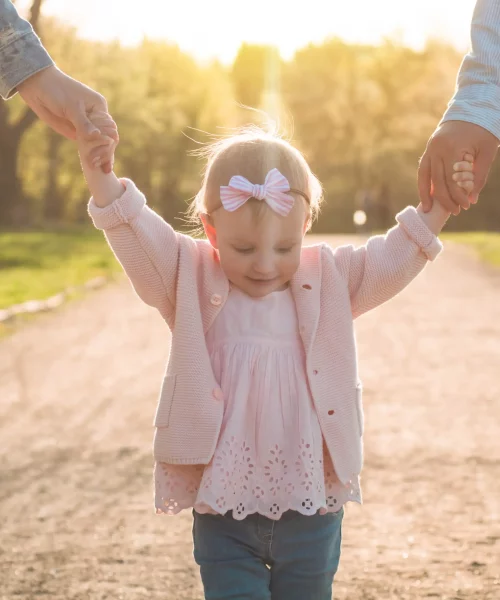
{"x":477,"y":97}
{"x":21,"y":52}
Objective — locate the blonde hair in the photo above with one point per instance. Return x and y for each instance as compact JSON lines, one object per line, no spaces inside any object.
{"x":252,"y":153}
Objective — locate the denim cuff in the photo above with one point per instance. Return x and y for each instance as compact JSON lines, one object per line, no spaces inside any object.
{"x":19,"y":60}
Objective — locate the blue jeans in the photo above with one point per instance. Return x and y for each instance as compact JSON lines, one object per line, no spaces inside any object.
{"x":294,"y":558}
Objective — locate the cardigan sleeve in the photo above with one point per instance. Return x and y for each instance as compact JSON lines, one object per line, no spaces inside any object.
{"x":146,"y":246}
{"x":386,"y":264}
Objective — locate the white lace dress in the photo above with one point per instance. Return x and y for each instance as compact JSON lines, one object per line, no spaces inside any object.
{"x":270,"y":455}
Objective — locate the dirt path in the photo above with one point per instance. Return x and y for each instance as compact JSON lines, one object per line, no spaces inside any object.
{"x":76,"y":517}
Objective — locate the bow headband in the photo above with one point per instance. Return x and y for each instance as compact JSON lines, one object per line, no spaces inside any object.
{"x":273,"y":192}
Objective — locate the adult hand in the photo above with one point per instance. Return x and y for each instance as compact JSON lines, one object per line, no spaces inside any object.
{"x":64,"y":104}
{"x":448,"y":145}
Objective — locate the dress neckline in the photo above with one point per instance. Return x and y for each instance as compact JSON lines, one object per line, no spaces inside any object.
{"x":233,"y":288}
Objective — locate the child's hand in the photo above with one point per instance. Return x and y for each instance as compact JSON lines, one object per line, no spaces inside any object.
{"x":464,"y":175}
{"x":92,"y":151}
{"x":103,"y":184}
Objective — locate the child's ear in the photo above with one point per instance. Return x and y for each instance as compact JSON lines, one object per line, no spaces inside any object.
{"x":209,"y":228}
{"x":307,"y":225}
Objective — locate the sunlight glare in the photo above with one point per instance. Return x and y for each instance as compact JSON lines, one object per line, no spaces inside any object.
{"x":217,"y":28}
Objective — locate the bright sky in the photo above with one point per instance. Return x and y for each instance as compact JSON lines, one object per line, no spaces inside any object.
{"x":216,"y":28}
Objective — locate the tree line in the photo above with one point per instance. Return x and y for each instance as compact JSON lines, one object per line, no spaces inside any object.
{"x":361,"y":114}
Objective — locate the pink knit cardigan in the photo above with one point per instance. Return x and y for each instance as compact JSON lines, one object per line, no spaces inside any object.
{"x":182,"y":278}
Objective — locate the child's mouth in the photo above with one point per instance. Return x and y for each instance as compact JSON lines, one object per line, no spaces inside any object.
{"x":262,"y":281}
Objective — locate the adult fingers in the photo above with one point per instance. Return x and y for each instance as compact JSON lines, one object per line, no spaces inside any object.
{"x":424,"y":182}
{"x":108,"y":127}
{"x":440,"y":191}
{"x":84,"y":127}
{"x":105,"y":124}
{"x":109,"y":132}
{"x":101,"y":115}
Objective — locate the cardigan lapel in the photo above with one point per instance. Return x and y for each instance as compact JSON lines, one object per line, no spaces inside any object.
{"x":214,"y":292}
{"x":306,"y":289}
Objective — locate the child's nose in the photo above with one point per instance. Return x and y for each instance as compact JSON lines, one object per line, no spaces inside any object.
{"x":264,"y":265}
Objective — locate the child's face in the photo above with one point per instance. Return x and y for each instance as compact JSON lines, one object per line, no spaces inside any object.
{"x":259,"y":250}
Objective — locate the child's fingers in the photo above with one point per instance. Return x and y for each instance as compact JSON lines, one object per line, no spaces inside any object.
{"x":469,"y":158}
{"x":468,"y":186}
{"x":463,"y":176}
{"x":103,"y":152}
{"x":463,"y":166}
{"x":102,"y":142}
{"x":100,"y":151}
{"x":108,"y":136}
{"x":105,"y":146}
{"x":98,"y":155}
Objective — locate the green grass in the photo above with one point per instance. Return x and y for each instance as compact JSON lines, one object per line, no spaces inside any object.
{"x":37,"y":265}
{"x":486,"y":244}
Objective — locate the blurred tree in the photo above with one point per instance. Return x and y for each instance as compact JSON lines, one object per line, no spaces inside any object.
{"x":156,"y":103}
{"x":361,"y":114}
{"x":13,"y":208}
{"x":255,"y":73}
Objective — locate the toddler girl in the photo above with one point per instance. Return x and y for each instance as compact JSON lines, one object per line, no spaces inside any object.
{"x":259,"y":423}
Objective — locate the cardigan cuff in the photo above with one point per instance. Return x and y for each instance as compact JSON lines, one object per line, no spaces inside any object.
{"x":122,"y":210}
{"x":417,"y":230}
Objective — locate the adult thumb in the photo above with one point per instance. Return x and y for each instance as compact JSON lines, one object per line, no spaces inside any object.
{"x":424,"y":182}
{"x":482,"y":166}
{"x":84,"y":127}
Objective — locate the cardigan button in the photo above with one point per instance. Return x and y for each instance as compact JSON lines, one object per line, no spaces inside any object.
{"x":217,"y":394}
{"x":216,"y":300}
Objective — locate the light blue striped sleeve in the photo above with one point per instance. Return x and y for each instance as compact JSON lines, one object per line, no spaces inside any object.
{"x":477,"y":97}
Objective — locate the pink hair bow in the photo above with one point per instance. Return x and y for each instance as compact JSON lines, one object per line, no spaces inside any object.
{"x":273,"y":192}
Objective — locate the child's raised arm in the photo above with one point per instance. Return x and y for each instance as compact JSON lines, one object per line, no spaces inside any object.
{"x":386,"y":264}
{"x":105,"y":188}
{"x":145,"y":244}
